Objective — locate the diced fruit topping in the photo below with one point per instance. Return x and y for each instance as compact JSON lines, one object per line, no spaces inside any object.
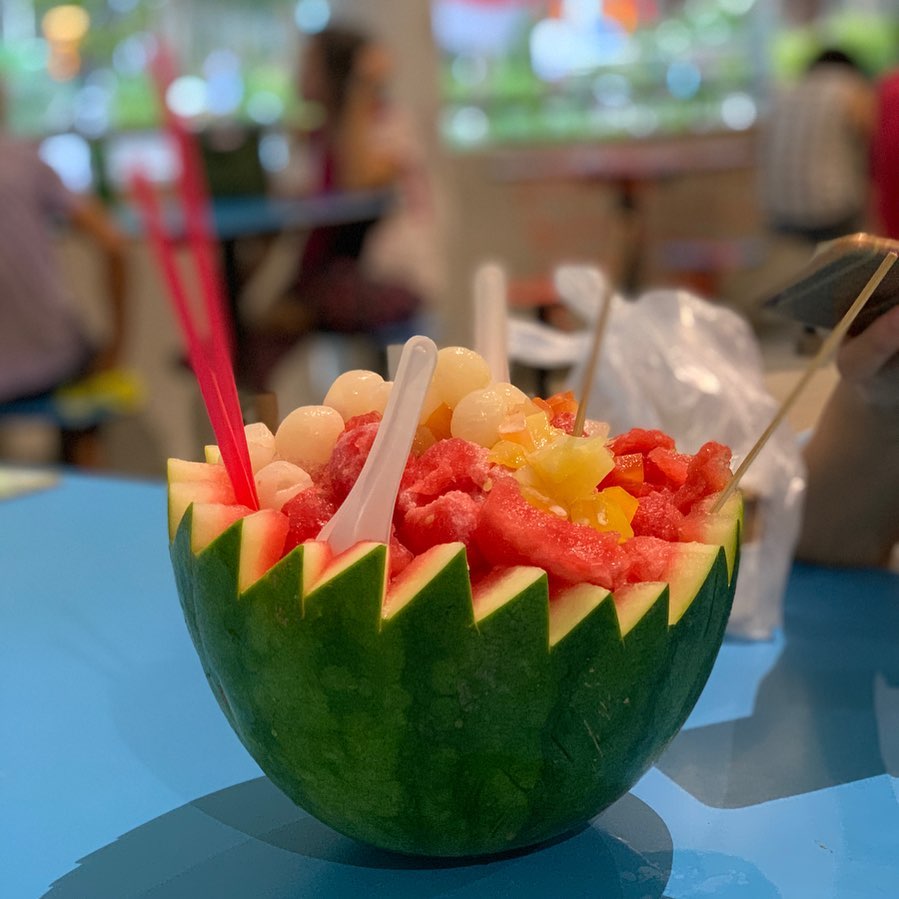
{"x":628,"y":472}
{"x":349,"y":455}
{"x":489,"y":468}
{"x":449,"y":465}
{"x":708,"y":472}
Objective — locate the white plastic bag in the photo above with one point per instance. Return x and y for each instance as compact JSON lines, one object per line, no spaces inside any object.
{"x":692,"y":369}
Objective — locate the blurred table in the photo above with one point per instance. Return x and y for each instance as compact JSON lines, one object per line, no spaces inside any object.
{"x":237,"y":218}
{"x":628,"y":167}
{"x":120,"y":776}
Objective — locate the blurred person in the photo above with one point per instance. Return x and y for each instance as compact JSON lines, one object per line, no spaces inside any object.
{"x":42,"y":344}
{"x":814,"y":163}
{"x":814,"y":166}
{"x":851,"y":514}
{"x":373,"y":277}
{"x":885,"y":155}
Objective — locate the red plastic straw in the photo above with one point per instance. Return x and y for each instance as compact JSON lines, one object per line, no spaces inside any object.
{"x":210,"y":351}
{"x":216,"y":381}
{"x":199,"y":231}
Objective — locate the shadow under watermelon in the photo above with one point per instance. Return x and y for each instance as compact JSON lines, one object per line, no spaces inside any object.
{"x":250,"y":840}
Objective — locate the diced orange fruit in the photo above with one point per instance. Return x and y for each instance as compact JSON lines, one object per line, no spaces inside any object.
{"x":602,"y":513}
{"x":439,"y":421}
{"x":629,"y":469}
{"x":562,"y":402}
{"x":514,"y":427}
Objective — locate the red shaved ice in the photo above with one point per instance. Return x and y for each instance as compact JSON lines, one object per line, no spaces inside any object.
{"x":446,"y":519}
{"x":307,"y":513}
{"x":638,"y":440}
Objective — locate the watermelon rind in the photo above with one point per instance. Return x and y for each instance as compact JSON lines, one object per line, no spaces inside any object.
{"x":440,"y":723}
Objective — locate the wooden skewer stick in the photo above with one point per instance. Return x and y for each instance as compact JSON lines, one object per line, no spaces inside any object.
{"x":827,"y":348}
{"x":599,"y":331}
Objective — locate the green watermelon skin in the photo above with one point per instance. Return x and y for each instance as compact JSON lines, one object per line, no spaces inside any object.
{"x":429,"y":732}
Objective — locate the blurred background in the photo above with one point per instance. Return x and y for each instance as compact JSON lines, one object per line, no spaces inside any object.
{"x":622,"y":133}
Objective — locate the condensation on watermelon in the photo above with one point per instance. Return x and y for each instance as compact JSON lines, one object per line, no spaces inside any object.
{"x":511,"y":531}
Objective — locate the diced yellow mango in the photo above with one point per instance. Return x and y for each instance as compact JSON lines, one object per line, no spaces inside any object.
{"x":621,"y":498}
{"x":572,"y":466}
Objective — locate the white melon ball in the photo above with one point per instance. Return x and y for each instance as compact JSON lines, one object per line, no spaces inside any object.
{"x":478,"y":415}
{"x":307,"y":436}
{"x":279,"y":482}
{"x":459,"y":371}
{"x":261,"y":443}
{"x":357,"y":392}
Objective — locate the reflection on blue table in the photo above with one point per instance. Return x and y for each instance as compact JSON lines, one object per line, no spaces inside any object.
{"x":814,"y":724}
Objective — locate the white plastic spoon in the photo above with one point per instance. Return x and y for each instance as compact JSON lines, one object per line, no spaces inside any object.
{"x":490,"y":316}
{"x":367,"y":512}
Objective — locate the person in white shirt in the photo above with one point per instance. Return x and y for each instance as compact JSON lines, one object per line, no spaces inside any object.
{"x":814,"y":166}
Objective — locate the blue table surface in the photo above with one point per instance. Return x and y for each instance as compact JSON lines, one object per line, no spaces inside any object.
{"x":120,"y":777}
